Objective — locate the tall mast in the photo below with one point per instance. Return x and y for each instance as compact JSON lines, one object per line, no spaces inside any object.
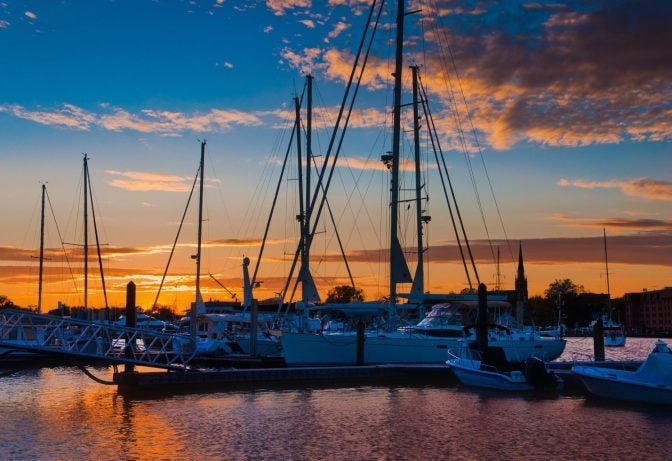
{"x":419,"y":279}
{"x":309,"y":159}
{"x":192,"y":317}
{"x":39,"y":293}
{"x":606,"y":265}
{"x":86,"y":232}
{"x":308,"y":290}
{"x":397,"y":261}
{"x":302,"y":212}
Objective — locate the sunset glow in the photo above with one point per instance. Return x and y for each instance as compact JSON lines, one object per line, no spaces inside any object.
{"x":555,"y":120}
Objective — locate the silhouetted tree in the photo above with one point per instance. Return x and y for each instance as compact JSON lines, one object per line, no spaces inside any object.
{"x":163,"y":313}
{"x":5,"y":302}
{"x":541,"y":311}
{"x":344,"y":294}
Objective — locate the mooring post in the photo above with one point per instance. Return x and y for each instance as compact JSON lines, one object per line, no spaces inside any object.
{"x":482,"y":328}
{"x":254,"y":310}
{"x":130,"y":322}
{"x":360,"y":342}
{"x":598,"y":341}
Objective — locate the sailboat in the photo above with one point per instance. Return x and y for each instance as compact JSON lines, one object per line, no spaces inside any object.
{"x":218,"y":333}
{"x":428,"y":341}
{"x":614,"y":332}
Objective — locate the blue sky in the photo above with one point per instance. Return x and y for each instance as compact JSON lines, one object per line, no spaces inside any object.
{"x":571,"y":103}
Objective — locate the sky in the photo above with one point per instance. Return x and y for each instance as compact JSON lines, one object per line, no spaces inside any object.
{"x":554,"y":119}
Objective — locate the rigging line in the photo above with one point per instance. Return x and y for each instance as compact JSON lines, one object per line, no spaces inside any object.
{"x":349,"y":197}
{"x":350,"y":193}
{"x":95,"y":232}
{"x":251,"y":216}
{"x":480,"y":152}
{"x":350,"y":109}
{"x":65,"y":253}
{"x":441,"y":38}
{"x":179,"y":229}
{"x":338,"y":236}
{"x":437,"y":150}
{"x":334,"y":223}
{"x":334,"y":134}
{"x":228,"y":219}
{"x":452,"y":191}
{"x":270,"y":215}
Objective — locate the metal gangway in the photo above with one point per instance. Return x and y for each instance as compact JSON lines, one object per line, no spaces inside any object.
{"x":102,"y":342}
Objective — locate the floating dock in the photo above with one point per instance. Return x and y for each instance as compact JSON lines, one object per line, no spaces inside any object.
{"x":299,"y":377}
{"x":267,"y":378}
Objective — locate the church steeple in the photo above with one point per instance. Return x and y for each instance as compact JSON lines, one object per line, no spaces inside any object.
{"x":521,"y":280}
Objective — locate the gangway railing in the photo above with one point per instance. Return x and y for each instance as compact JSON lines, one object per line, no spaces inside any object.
{"x":110,"y":343}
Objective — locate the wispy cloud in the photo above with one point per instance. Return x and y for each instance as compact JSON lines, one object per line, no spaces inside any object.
{"x":4,"y":24}
{"x":69,"y":116}
{"x":618,"y":225}
{"x":145,"y":181}
{"x":306,"y":61}
{"x":646,"y":249}
{"x":30,"y":15}
{"x":642,"y":187}
{"x":309,"y":23}
{"x":339,"y":27}
{"x":243,"y":242}
{"x":280,"y":6}
{"x":146,"y":121}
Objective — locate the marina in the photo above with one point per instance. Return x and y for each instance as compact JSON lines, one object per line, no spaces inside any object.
{"x":301,"y":297}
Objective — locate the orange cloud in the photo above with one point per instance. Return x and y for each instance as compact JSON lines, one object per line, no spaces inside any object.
{"x":642,"y":187}
{"x":145,"y":181}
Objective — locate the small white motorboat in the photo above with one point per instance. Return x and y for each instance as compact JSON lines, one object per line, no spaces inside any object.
{"x":650,"y":383}
{"x":492,"y":371}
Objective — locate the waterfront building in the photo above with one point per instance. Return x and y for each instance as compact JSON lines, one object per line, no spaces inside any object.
{"x":649,"y":312}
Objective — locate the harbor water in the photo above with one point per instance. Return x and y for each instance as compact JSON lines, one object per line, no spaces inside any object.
{"x":61,"y":414}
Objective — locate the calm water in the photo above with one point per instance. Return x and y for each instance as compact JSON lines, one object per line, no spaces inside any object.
{"x":60,"y":414}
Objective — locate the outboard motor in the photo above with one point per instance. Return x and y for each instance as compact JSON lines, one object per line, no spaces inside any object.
{"x":537,"y":374}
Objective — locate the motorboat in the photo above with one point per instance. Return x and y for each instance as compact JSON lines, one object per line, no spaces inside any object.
{"x":145,"y":322}
{"x":650,"y":383}
{"x":492,"y":371}
{"x":614,"y":334}
{"x":427,"y":342}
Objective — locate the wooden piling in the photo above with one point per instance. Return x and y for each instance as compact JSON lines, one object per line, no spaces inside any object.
{"x":598,"y":341}
{"x":130,"y":322}
{"x":254,"y":315}
{"x":482,"y":327}
{"x":360,"y":342}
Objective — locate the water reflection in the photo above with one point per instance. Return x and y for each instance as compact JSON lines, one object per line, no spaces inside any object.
{"x":61,"y":414}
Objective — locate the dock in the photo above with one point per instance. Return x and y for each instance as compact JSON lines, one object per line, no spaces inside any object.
{"x":196,"y":380}
{"x":271,"y":378}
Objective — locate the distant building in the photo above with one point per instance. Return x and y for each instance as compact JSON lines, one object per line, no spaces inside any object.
{"x":649,"y":312}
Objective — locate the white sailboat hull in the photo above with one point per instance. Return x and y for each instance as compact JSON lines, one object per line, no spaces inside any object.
{"x":301,"y":349}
